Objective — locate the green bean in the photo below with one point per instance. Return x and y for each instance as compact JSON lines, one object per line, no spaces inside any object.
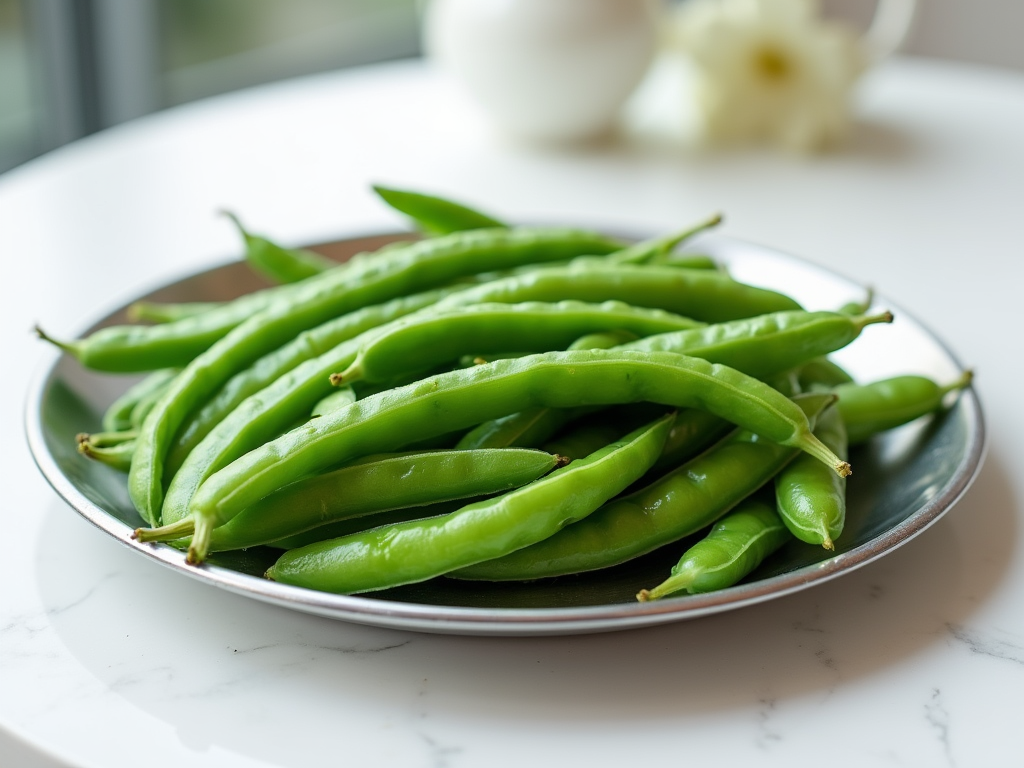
{"x":677,"y":505}
{"x":376,"y":484}
{"x":524,"y":429}
{"x":361,"y":281}
{"x":427,"y":262}
{"x":859,"y":307}
{"x":359,"y":524}
{"x":704,"y":295}
{"x":281,"y":402}
{"x":659,"y":247}
{"x":871,"y":408}
{"x":118,"y":417}
{"x":419,"y":550}
{"x":106,"y":439}
{"x":469,"y":396}
{"x":163,"y":312}
{"x":736,"y":545}
{"x":812,"y":504}
{"x":533,"y":426}
{"x":689,"y":261}
{"x":344,"y":396}
{"x":584,"y":439}
{"x":133,"y":348}
{"x":435,"y":215}
{"x":118,"y":456}
{"x":307,"y":345}
{"x":760,"y":346}
{"x":429,"y":339}
{"x":765,"y":345}
{"x":822,"y":373}
{"x":281,"y":265}
{"x":421,"y":265}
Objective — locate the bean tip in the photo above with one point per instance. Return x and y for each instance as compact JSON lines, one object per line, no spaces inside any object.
{"x":843,"y":469}
{"x":643,"y":596}
{"x":337,"y":379}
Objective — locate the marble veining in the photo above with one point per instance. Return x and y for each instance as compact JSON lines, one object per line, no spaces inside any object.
{"x":345,"y":650}
{"x":767,"y":735}
{"x":439,"y":754}
{"x":986,"y":645}
{"x":937,"y":715}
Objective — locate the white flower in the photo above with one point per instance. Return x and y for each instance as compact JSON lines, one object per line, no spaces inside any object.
{"x":769,"y":70}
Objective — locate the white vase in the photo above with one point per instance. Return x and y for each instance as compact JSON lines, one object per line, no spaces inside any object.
{"x":544,"y":70}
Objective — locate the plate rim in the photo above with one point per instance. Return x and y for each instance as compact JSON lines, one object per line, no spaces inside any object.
{"x":446,"y":619}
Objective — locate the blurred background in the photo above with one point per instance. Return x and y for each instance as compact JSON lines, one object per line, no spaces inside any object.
{"x":69,"y":68}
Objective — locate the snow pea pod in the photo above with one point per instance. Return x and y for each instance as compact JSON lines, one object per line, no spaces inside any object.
{"x":429,"y":339}
{"x":760,"y":346}
{"x":704,"y":295}
{"x":415,"y":551}
{"x":735,"y":546}
{"x":376,"y":484}
{"x":464,"y":397}
{"x":659,"y":247}
{"x":421,"y":265}
{"x":118,"y":456}
{"x":767,"y":344}
{"x":168,"y":312}
{"x":533,"y":426}
{"x":281,"y":265}
{"x":871,"y":408}
{"x":435,"y":215}
{"x":584,"y":439}
{"x":812,"y":504}
{"x":364,"y":280}
{"x":822,"y":373}
{"x":272,"y":366}
{"x":273,"y":409}
{"x":118,"y":417}
{"x":344,"y":396}
{"x":677,"y":505}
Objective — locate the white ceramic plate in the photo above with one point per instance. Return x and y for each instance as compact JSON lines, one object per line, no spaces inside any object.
{"x":903,"y":482}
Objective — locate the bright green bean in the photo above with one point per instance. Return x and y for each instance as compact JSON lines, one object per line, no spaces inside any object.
{"x":426,"y":340}
{"x":118,"y":417}
{"x":736,"y":545}
{"x":281,"y":265}
{"x":469,"y":396}
{"x":871,"y":408}
{"x":677,"y":505}
{"x":375,"y":484}
{"x":812,"y":504}
{"x":419,"y":550}
{"x":436,"y":215}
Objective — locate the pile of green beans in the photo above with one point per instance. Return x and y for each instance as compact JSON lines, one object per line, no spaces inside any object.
{"x":494,"y":403}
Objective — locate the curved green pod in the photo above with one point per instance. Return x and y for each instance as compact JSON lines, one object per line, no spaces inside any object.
{"x":428,"y":339}
{"x":868,"y":409}
{"x":811,"y":503}
{"x":376,"y":484}
{"x":119,"y":415}
{"x":307,"y":345}
{"x":282,"y":265}
{"x":679,"y":504}
{"x":419,"y":266}
{"x":436,"y":215}
{"x":415,"y":551}
{"x":734,"y":547}
{"x":464,"y":397}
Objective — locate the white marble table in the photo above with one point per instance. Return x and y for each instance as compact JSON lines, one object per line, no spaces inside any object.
{"x":916,"y":660}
